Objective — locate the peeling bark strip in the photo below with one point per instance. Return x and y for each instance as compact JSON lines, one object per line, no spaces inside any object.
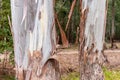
{"x":92,"y":26}
{"x":34,"y":39}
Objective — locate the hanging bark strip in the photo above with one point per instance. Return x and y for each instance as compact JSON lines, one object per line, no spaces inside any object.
{"x":82,"y":39}
{"x":92,"y":33}
{"x":70,"y":13}
{"x":10,"y":24}
{"x":63,"y":36}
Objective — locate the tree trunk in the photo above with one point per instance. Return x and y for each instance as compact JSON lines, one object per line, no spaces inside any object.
{"x":77,"y":32}
{"x":70,"y":13}
{"x":62,"y":33}
{"x":34,"y":40}
{"x":113,"y":23}
{"x":92,"y":33}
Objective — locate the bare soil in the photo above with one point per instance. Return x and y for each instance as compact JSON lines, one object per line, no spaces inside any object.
{"x":68,"y":60}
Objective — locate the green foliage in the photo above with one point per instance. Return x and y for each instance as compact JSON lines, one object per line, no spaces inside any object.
{"x":62,"y":9}
{"x":6,"y":42}
{"x":117,"y":20}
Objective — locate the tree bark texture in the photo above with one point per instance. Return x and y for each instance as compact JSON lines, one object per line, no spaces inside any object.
{"x":92,"y":33}
{"x":34,"y":40}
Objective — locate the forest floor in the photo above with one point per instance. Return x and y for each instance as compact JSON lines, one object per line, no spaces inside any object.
{"x":69,"y":64}
{"x":68,"y":59}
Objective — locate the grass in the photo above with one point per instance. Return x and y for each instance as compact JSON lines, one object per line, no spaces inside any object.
{"x":6,"y":77}
{"x":109,"y":75}
{"x":71,"y":76}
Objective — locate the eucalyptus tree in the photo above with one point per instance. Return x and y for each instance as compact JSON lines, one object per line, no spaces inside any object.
{"x":92,"y":33}
{"x":34,"y":40}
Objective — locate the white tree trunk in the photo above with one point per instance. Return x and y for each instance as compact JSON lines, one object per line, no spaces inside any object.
{"x":34,"y":39}
{"x":92,"y":33}
{"x":19,"y":34}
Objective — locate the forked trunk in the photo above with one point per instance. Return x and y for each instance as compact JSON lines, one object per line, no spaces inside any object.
{"x":70,"y":13}
{"x":92,"y":32}
{"x":34,"y":40}
{"x":62,"y":33}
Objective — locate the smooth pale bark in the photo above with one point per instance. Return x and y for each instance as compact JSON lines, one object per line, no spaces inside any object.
{"x":18,"y":36}
{"x":34,"y":39}
{"x":92,"y":33}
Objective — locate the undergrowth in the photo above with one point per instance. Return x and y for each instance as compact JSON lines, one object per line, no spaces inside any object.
{"x":109,"y":75}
